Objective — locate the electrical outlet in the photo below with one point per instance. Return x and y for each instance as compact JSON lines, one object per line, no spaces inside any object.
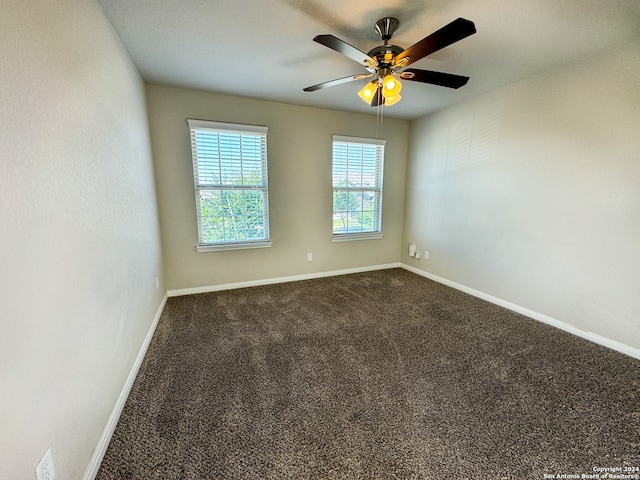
{"x":426,"y":255}
{"x":417,"y":256}
{"x":309,"y":257}
{"x":157,"y":284}
{"x":45,"y":470}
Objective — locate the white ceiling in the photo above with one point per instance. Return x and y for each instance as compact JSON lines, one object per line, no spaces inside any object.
{"x":264,"y":49}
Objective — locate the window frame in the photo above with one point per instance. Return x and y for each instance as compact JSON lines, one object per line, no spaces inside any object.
{"x":377,"y":188}
{"x":263,"y":186}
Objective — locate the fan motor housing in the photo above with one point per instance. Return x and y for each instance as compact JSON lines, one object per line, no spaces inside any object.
{"x":384,"y":55}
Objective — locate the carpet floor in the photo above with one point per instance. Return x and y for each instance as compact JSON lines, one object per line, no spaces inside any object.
{"x":376,"y":375}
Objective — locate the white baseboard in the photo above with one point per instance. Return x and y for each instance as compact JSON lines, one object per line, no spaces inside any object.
{"x":270,"y":281}
{"x":592,"y":337}
{"x":101,"y":448}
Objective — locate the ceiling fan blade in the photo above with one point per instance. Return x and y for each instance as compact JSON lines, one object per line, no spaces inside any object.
{"x":337,"y":81}
{"x":451,"y":33}
{"x":345,"y":49}
{"x":435,"y":78}
{"x":378,"y":98}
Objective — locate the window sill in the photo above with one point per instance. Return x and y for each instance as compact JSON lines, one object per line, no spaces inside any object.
{"x":232,"y":246}
{"x":349,"y":237}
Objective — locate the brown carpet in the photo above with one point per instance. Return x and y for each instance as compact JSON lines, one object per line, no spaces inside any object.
{"x":378,"y":375}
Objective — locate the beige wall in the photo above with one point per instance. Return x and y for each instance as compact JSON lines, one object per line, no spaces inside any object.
{"x":299,"y":158}
{"x":531,"y":194}
{"x":79,"y":233}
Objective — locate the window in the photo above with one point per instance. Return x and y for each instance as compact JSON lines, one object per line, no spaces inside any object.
{"x":357,"y":188}
{"x":230,"y":178}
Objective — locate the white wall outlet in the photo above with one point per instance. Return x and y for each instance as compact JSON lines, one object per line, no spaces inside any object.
{"x":417,"y":256}
{"x":309,"y":257}
{"x":426,"y":254}
{"x":45,"y":470}
{"x":157,"y":284}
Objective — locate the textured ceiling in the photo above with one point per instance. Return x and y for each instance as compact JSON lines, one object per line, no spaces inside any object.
{"x":264,"y":49}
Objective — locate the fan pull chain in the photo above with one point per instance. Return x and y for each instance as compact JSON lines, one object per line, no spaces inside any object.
{"x":379,"y":117}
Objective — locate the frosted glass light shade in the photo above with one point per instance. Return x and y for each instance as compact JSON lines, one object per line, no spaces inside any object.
{"x":368,"y":91}
{"x":390,"y":87}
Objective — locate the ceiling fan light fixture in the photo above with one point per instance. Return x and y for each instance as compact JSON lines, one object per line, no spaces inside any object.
{"x":368,"y":91}
{"x":390,"y":87}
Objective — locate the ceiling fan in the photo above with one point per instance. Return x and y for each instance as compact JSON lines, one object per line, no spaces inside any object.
{"x":386,"y":63}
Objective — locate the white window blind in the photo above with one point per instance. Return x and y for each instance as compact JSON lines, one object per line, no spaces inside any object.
{"x":358,"y":165}
{"x":231,"y":187}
